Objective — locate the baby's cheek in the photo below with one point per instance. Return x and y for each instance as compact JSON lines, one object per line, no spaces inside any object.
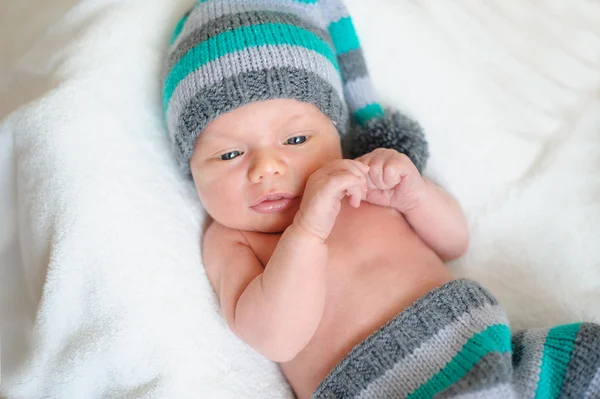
{"x":209,"y":193}
{"x":316,"y":163}
{"x":228,"y":197}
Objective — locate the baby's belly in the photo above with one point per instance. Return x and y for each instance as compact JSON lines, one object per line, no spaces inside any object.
{"x":364,"y":292}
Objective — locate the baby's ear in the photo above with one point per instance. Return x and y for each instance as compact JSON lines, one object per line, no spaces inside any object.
{"x":393,"y":130}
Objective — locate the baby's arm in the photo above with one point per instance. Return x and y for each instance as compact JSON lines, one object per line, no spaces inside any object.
{"x":278,"y":310}
{"x":438,"y":219}
{"x":435,"y":215}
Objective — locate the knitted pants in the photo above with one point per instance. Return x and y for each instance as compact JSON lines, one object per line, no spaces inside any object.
{"x":455,"y":342}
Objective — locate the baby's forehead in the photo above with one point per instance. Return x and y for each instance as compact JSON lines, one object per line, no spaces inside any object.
{"x":263,"y":116}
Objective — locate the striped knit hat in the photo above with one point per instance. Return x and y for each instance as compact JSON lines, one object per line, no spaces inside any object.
{"x":229,"y":53}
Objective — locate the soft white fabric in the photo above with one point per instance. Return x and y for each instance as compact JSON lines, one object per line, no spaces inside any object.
{"x":101,"y":284}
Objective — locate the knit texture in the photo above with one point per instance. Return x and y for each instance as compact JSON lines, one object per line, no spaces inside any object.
{"x":228,"y":53}
{"x":455,"y":341}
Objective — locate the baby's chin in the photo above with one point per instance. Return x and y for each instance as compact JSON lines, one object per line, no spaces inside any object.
{"x":273,"y":223}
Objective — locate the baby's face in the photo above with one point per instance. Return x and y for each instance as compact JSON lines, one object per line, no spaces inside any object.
{"x":248,"y":158}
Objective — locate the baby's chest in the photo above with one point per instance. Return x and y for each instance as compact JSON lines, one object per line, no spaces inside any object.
{"x":367,"y":233}
{"x":358,"y":236}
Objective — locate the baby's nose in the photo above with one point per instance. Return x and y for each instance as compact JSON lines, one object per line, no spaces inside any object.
{"x":266,"y":165}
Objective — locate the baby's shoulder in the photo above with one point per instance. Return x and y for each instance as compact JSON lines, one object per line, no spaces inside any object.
{"x":221,"y":242}
{"x":218,"y":236}
{"x":222,"y":248}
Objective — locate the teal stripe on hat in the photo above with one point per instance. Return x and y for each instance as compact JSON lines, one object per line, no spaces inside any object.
{"x":367,"y":113}
{"x":359,"y":93}
{"x":557,"y":353}
{"x":233,"y":21}
{"x":495,"y":338}
{"x":344,"y":36}
{"x":179,"y":27}
{"x":245,"y":61}
{"x":239,"y":39}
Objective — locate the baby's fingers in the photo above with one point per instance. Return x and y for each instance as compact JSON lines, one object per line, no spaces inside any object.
{"x":344,"y":182}
{"x":356,"y":194}
{"x":380,"y":197}
{"x":358,"y":168}
{"x":392,"y":172}
{"x":376,"y":175}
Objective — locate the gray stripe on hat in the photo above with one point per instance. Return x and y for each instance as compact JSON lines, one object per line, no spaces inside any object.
{"x":247,"y":60}
{"x":528,"y":351}
{"x":210,"y":10}
{"x":432,"y":355}
{"x":490,"y":371}
{"x":359,"y":93}
{"x":593,"y":391}
{"x":334,"y":10}
{"x":352,"y":65}
{"x":403,"y":339}
{"x":584,"y":362}
{"x":234,"y":21}
{"x":501,"y":391}
{"x":250,"y":87}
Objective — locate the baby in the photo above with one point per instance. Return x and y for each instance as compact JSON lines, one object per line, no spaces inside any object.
{"x":333,"y":266}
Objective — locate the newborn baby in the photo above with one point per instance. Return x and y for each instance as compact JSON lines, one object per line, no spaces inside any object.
{"x":310,"y":253}
{"x":333,"y":266}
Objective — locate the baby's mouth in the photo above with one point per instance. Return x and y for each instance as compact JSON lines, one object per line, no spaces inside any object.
{"x":274,"y":203}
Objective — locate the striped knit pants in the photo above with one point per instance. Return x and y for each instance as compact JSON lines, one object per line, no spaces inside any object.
{"x":455,"y":342}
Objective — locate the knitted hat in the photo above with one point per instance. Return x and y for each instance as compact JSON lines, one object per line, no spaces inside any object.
{"x":228,"y":53}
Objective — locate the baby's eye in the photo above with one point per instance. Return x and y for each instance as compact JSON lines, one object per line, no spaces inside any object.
{"x":230,"y":155}
{"x":296,"y":140}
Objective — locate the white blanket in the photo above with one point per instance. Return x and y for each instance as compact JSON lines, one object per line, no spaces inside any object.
{"x":102,"y":288}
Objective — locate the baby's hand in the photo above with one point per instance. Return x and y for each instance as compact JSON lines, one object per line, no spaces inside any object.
{"x":394,"y":180}
{"x":324,"y":191}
